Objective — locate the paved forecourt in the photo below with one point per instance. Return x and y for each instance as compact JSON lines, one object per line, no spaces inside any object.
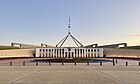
{"x":70,"y":74}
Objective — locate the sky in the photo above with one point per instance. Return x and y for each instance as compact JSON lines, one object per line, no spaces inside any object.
{"x":92,"y":21}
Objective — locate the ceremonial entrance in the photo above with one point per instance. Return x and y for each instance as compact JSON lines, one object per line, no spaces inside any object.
{"x":66,"y":52}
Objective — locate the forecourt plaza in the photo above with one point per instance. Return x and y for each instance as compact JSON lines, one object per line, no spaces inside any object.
{"x":69,"y":73}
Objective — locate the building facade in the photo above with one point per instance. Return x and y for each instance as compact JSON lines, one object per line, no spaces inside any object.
{"x":69,"y":52}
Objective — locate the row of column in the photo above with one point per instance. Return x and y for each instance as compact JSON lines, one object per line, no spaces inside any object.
{"x":87,"y":52}
{"x":74,"y":52}
{"x":52,"y":52}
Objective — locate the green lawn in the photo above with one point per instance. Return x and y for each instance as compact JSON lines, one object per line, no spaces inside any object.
{"x":8,"y":47}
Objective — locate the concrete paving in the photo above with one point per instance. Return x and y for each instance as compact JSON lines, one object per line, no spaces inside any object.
{"x":69,"y":73}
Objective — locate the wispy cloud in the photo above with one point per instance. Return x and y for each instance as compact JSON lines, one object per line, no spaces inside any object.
{"x":134,"y":35}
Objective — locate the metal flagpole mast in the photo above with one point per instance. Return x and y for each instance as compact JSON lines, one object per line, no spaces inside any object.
{"x":69,"y":35}
{"x":69,"y":26}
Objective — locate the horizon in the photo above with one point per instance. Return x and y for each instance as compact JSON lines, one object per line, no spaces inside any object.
{"x":94,"y":21}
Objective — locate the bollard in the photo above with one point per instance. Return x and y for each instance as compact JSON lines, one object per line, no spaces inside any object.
{"x":113,"y":60}
{"x":113,"y":63}
{"x":87,"y":63}
{"x":10,"y":63}
{"x":75,"y":63}
{"x":100,"y":63}
{"x":126,"y":63}
{"x":36,"y":63}
{"x":116,"y":61}
{"x":62,"y":63}
{"x":49,"y":63}
{"x":139,"y":63}
{"x":23,"y":63}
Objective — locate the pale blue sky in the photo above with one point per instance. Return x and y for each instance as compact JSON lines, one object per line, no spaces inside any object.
{"x":93,"y":21}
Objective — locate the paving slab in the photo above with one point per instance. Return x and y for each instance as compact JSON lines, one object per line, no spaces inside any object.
{"x":69,"y":73}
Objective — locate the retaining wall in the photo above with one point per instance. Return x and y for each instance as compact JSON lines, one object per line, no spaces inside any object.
{"x":17,"y":53}
{"x":130,"y":53}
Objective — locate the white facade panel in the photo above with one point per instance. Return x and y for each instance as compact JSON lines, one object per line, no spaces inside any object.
{"x":69,"y":52}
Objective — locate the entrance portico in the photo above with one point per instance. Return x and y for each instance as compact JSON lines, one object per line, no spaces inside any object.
{"x":66,"y":52}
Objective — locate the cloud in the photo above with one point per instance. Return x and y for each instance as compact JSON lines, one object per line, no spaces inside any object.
{"x":134,"y":35}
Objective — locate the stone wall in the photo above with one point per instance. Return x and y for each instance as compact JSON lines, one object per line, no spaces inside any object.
{"x":17,"y":53}
{"x":109,"y":52}
{"x":131,"y":53}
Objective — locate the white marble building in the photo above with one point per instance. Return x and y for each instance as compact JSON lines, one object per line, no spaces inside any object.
{"x":69,"y":52}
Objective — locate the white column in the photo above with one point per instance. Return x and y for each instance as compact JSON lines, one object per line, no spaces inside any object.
{"x":90,"y":52}
{"x":96,"y":53}
{"x":41,"y":52}
{"x":64,"y":52}
{"x":61,"y":52}
{"x":44,"y":52}
{"x":73,"y":52}
{"x":70,"y":53}
{"x":67,"y":54}
{"x":82,"y":52}
{"x":79,"y":52}
{"x":87,"y":52}
{"x":58,"y":53}
{"x":53,"y":52}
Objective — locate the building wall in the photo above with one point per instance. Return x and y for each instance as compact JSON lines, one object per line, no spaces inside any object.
{"x":69,"y":52}
{"x":17,"y":53}
{"x":109,"y":52}
{"x":133,"y":53}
